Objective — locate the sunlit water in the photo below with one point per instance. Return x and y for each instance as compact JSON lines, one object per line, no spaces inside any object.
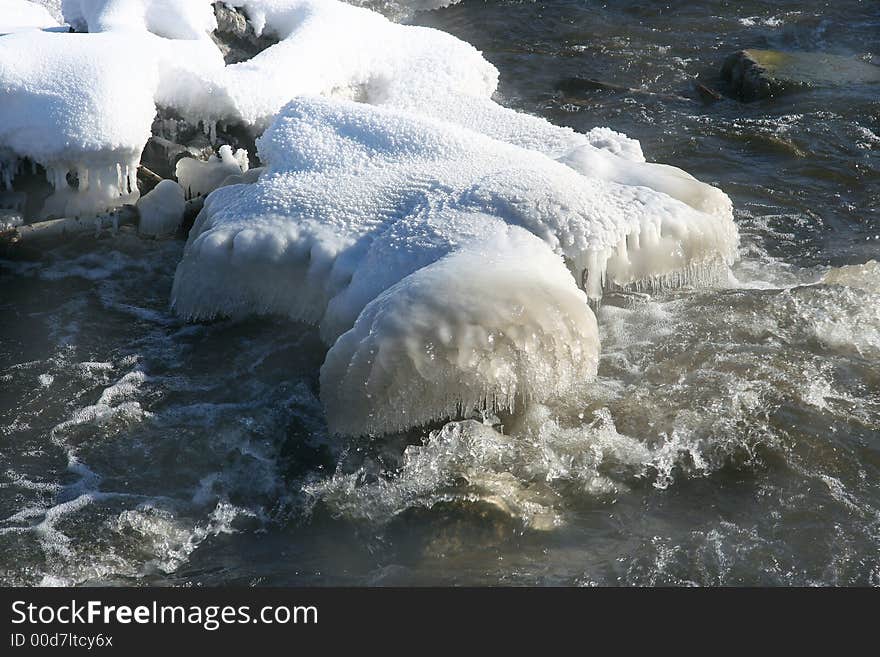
{"x":732,"y":436}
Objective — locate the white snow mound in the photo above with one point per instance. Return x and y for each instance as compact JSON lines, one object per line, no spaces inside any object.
{"x":161,"y":210}
{"x":173,"y":19}
{"x":18,"y":15}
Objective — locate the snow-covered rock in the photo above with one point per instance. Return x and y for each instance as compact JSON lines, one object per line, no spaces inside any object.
{"x":356,"y":200}
{"x":326,"y":48}
{"x":161,"y":210}
{"x":491,"y":325}
{"x":72,"y":105}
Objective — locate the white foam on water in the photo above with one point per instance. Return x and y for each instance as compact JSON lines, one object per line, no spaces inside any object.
{"x":865,"y":277}
{"x":169,"y":540}
{"x":529,"y":472}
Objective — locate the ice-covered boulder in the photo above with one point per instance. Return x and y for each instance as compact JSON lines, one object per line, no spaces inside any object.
{"x":357,"y":209}
{"x":161,"y":210}
{"x":491,"y":325}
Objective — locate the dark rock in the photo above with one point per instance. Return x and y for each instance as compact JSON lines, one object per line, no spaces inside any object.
{"x":754,"y":74}
{"x":230,"y":20}
{"x":162,"y":155}
{"x":13,"y":201}
{"x":235,"y":36}
{"x":146,"y":180}
{"x":746,"y":78}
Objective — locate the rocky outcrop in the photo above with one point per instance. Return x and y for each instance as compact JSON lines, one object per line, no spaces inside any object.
{"x":235,"y":36}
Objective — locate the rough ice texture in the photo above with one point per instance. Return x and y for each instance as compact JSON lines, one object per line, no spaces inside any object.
{"x":363,"y":213}
{"x":17,"y":15}
{"x":200,"y":178}
{"x":495,"y":322}
{"x":161,"y":210}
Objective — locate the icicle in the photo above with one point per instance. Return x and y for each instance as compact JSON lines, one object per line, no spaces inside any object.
{"x":210,"y":129}
{"x":621,"y":250}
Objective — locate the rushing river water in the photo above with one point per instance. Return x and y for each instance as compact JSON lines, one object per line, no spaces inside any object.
{"x":731,"y":437}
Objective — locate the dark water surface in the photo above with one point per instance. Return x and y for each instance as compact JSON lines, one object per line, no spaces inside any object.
{"x":732,"y":436}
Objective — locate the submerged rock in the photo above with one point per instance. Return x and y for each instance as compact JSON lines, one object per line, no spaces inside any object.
{"x":707,"y":94}
{"x":753,"y":74}
{"x":573,"y":87}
